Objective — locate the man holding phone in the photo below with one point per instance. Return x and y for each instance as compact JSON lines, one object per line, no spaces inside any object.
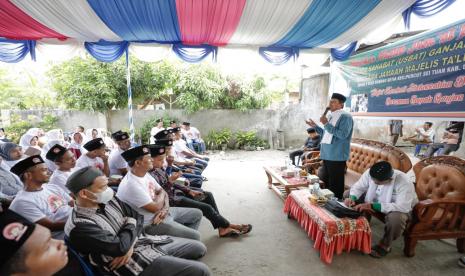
{"x":335,"y":144}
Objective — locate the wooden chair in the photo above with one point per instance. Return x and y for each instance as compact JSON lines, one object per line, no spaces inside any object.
{"x":440,"y":214}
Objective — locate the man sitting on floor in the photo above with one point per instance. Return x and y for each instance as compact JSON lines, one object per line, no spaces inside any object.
{"x":142,"y":192}
{"x":183,"y":196}
{"x":383,"y":189}
{"x":311,"y":144}
{"x":47,"y":205}
{"x":118,"y":166}
{"x":110,"y":234}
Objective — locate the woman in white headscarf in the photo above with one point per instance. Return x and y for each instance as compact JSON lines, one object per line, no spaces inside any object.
{"x":56,"y":134}
{"x":77,"y":140}
{"x":11,"y":154}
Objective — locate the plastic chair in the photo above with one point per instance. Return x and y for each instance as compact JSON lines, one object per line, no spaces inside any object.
{"x":86,"y":267}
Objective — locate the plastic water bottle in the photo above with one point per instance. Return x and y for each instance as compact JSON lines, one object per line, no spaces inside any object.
{"x":316,"y":189}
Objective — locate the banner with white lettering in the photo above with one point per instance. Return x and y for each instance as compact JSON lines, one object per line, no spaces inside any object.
{"x":421,"y":76}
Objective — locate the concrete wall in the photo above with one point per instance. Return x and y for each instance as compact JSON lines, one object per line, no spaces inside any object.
{"x":290,"y":119}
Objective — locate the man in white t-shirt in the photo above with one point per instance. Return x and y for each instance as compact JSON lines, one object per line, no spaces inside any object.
{"x":140,"y":190}
{"x":65,"y":161}
{"x":193,"y":137}
{"x":158,"y":127}
{"x":119,"y":166}
{"x":47,"y":205}
{"x":95,"y":156}
{"x":423,"y":135}
{"x":183,"y":151}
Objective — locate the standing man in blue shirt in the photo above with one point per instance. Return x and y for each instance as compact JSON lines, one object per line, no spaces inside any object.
{"x":335,"y":144}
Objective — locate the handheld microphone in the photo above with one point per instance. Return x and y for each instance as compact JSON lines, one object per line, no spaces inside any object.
{"x":326,"y":111}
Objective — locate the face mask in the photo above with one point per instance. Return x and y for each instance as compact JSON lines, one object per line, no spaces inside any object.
{"x":104,"y":196}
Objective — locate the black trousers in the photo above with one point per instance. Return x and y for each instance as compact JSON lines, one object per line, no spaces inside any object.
{"x":295,"y":153}
{"x":208,"y":208}
{"x":333,"y":175}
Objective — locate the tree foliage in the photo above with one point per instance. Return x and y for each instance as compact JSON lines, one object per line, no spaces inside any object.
{"x":87,"y":84}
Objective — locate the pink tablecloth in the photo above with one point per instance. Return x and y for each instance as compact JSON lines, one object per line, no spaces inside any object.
{"x":330,"y":233}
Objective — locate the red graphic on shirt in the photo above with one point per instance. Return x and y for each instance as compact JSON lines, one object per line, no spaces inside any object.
{"x":14,"y":231}
{"x":55,"y":202}
{"x":99,"y":166}
{"x":152,"y":190}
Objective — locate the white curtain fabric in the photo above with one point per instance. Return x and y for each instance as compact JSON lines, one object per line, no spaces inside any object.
{"x":150,"y":52}
{"x":396,"y":25}
{"x":383,"y":12}
{"x":56,"y":50}
{"x":313,"y":57}
{"x":72,"y":18}
{"x":264,"y":22}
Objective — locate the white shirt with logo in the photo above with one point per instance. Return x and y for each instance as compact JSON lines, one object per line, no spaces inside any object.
{"x":139,"y":191}
{"x":59,"y":179}
{"x":51,"y":202}
{"x":116,"y":161}
{"x":86,"y":161}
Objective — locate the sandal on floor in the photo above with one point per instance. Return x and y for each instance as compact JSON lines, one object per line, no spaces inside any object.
{"x":245,"y":228}
{"x":204,"y":179}
{"x":231,"y":234}
{"x":379,"y":252}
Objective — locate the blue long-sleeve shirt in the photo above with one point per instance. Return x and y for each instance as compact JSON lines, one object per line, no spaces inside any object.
{"x":339,"y":149}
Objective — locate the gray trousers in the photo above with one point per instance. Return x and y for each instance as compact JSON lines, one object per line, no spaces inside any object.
{"x":180,"y":259}
{"x":395,"y":223}
{"x":436,"y":146}
{"x":181,"y":222}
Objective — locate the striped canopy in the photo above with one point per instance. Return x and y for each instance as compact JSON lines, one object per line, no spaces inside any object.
{"x":277,"y":25}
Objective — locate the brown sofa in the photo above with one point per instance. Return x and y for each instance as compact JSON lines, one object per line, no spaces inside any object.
{"x":440,"y":214}
{"x":364,"y":153}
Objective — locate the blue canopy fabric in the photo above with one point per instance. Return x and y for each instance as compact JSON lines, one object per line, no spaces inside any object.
{"x":278,"y":55}
{"x":107,"y":51}
{"x":141,"y":20}
{"x":318,"y":26}
{"x":194,"y":54}
{"x":12,"y":51}
{"x":425,"y":8}
{"x":343,"y":53}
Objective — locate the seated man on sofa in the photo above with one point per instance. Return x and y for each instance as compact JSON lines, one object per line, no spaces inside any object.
{"x":383,"y":189}
{"x":312,"y":143}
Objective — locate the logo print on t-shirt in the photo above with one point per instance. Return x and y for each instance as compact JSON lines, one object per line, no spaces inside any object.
{"x":55,"y":202}
{"x":99,"y":166}
{"x":152,"y":190}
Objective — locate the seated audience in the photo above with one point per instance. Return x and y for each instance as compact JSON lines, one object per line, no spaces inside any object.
{"x":110,"y":234}
{"x":423,"y":136}
{"x":28,"y":249}
{"x":50,"y":164}
{"x":3,"y":137}
{"x":46,"y":205}
{"x":65,"y":161}
{"x":10,"y":185}
{"x":140,"y":190}
{"x":155,"y":129}
{"x":457,"y":126}
{"x":193,"y":137}
{"x":173,"y":124}
{"x":181,"y":148}
{"x":383,"y":189}
{"x":448,"y":144}
{"x":312,"y":143}
{"x":95,"y":156}
{"x":11,"y":153}
{"x":76,"y":144}
{"x":182,"y":196}
{"x":119,"y":166}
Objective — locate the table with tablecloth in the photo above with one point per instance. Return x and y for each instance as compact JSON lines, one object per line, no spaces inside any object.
{"x":330,"y":233}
